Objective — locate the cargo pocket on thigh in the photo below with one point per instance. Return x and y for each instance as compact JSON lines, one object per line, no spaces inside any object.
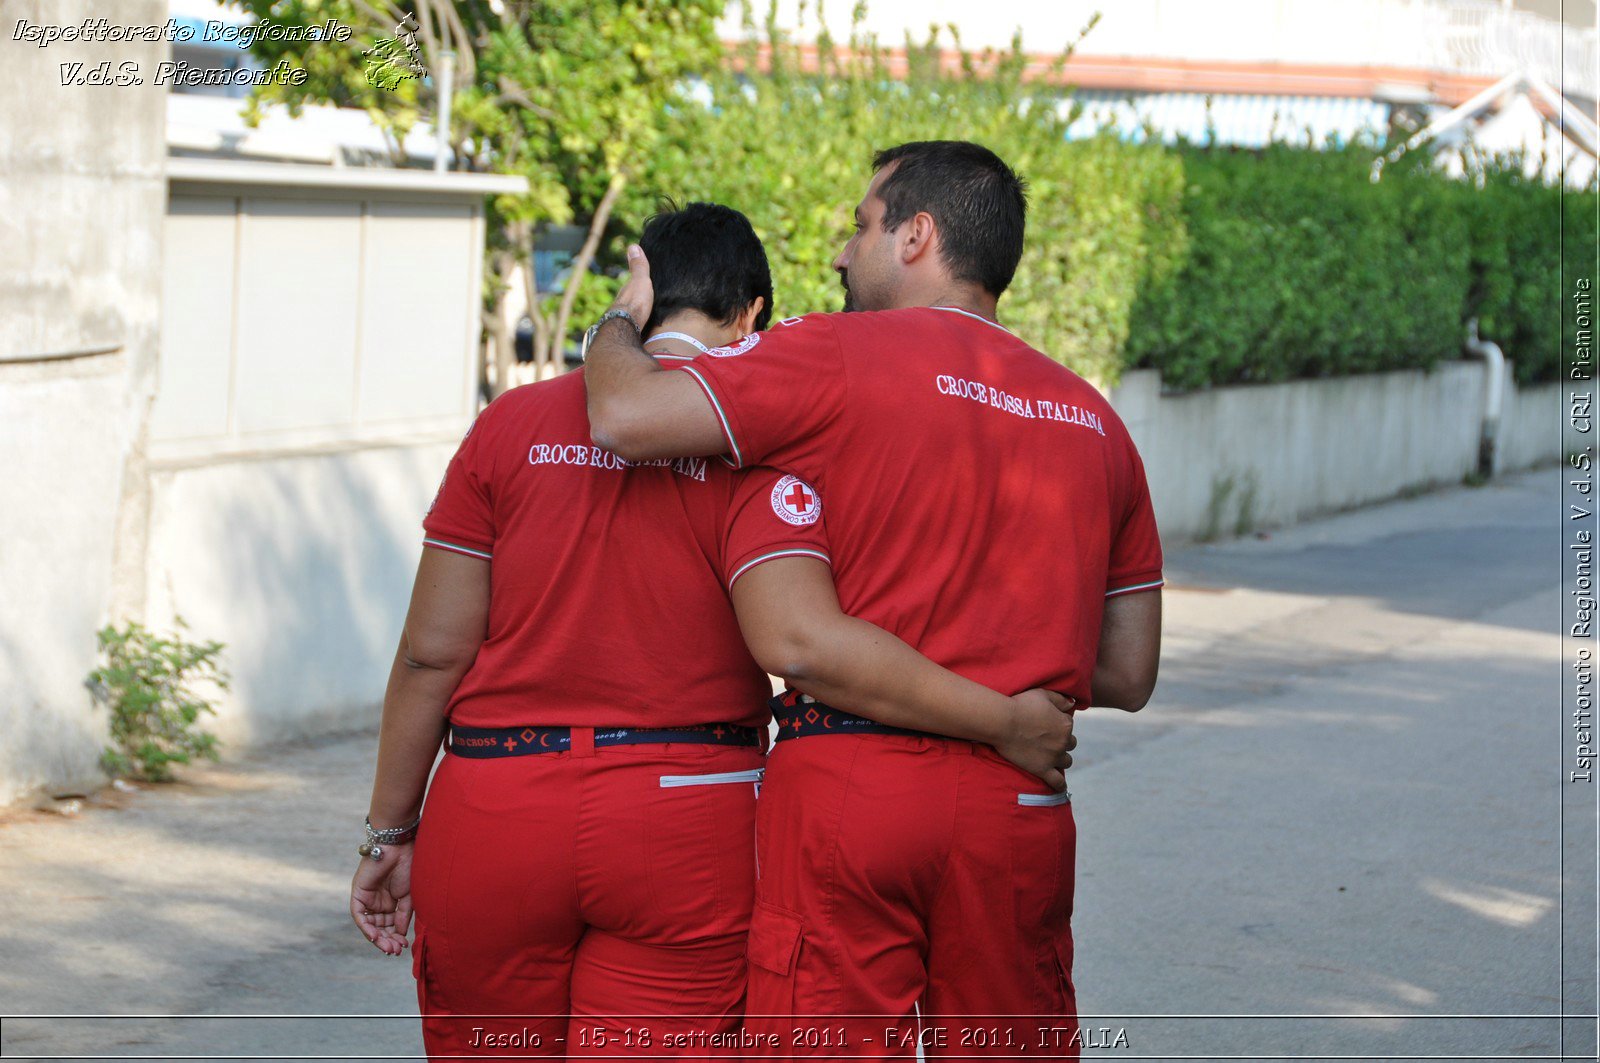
{"x":419,"y":971}
{"x":772,"y":993}
{"x":1069,"y":992}
{"x":774,"y":943}
{"x":441,"y":1033}
{"x":773,"y":950}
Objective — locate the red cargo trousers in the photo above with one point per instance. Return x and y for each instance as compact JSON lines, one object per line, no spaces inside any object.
{"x":591,"y":902}
{"x":911,"y":889}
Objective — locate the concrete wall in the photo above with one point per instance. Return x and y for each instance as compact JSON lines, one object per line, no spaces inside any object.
{"x":1230,"y":460}
{"x":81,"y":196}
{"x":302,"y":565}
{"x":1533,"y":425}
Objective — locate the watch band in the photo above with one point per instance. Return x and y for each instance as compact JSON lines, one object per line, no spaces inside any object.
{"x":594,"y":329}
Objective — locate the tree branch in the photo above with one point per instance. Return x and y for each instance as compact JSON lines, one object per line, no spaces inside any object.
{"x":427,"y":15}
{"x":523,"y":237}
{"x":387,"y":19}
{"x":511,"y":93}
{"x":462,"y":44}
{"x":580,"y":265}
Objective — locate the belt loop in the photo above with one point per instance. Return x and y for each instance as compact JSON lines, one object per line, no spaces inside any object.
{"x":582,"y":741}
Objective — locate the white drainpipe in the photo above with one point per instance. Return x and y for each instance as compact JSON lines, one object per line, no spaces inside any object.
{"x":441,"y":121}
{"x":1493,"y":394}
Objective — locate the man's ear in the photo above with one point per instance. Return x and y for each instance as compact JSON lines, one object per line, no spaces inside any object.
{"x":746,"y":322}
{"x":920,"y":236}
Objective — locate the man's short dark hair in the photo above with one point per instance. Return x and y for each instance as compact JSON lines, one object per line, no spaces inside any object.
{"x":979,"y":204}
{"x":705,"y":257}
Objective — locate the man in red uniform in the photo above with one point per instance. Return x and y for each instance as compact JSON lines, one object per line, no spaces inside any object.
{"x":985,"y":505}
{"x":584,"y":870}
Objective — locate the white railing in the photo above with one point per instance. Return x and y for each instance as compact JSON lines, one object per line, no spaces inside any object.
{"x":1481,"y":38}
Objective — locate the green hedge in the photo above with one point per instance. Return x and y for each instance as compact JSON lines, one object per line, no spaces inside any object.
{"x":1300,"y":266}
{"x":1530,"y":242}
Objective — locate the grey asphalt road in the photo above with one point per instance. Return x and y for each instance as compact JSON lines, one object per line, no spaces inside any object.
{"x":1343,"y":803}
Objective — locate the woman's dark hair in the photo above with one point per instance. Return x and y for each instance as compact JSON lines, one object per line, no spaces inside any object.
{"x":978,"y":202}
{"x":705,"y":257}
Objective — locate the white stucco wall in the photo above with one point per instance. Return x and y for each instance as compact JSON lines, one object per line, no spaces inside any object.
{"x":1531,"y":426}
{"x":81,"y":194}
{"x":65,"y":434}
{"x":302,"y":565}
{"x":1230,"y":460}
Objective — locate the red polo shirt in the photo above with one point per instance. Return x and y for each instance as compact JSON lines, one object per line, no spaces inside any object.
{"x":608,"y":603}
{"x":983,"y":500}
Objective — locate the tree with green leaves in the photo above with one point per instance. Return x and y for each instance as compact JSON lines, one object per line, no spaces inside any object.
{"x":567,"y":93}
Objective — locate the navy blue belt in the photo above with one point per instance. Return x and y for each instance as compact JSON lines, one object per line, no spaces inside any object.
{"x":486,"y":743}
{"x":800,"y":717}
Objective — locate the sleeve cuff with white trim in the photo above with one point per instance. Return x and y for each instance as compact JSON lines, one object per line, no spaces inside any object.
{"x":455,"y":547}
{"x":1133,"y":586}
{"x":773,"y":555}
{"x":734,"y":458}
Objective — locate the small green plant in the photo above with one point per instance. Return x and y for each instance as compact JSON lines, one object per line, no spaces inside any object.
{"x":147,"y":682}
{"x":1246,"y":523}
{"x":1221,"y":490}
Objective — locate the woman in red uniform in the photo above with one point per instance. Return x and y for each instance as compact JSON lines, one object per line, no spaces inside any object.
{"x":582,"y":878}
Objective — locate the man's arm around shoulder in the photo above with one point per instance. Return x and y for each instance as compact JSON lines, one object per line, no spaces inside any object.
{"x":790,"y":616}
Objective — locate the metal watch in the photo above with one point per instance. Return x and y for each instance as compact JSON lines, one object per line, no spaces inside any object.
{"x":609,"y":315}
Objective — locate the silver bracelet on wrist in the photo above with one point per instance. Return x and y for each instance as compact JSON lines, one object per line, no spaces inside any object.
{"x":372,"y":848}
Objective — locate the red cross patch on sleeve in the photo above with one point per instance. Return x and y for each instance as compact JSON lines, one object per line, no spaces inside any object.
{"x":796,"y":501}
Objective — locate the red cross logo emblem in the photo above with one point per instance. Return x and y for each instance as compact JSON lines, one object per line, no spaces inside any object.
{"x":510,"y":744}
{"x":796,"y":501}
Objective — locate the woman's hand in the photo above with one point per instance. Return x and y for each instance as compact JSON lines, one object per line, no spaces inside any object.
{"x":380,"y":898}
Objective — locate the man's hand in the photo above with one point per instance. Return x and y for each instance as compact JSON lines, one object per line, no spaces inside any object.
{"x":638,"y":295}
{"x":380,"y":898}
{"x":638,"y":410}
{"x":1040,"y":734}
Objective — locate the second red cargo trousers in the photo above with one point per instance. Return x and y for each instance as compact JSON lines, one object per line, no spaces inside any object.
{"x":911,"y":888}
